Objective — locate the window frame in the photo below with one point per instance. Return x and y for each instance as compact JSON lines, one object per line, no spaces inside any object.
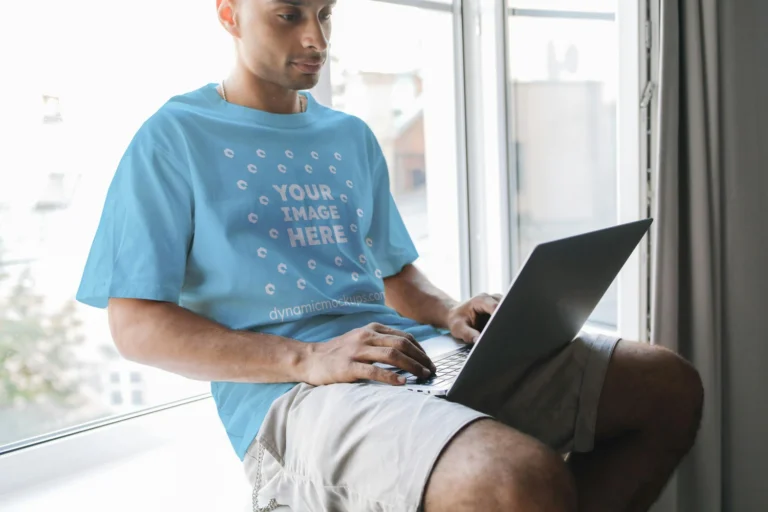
{"x":489,"y":270}
{"x":633,"y":192}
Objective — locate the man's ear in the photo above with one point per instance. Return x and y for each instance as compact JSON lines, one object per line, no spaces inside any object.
{"x":227,"y":17}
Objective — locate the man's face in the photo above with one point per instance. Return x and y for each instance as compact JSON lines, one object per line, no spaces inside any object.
{"x":284,"y":42}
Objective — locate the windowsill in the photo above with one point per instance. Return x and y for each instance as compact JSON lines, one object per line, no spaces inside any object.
{"x":599,"y":329}
{"x":93,"y":425}
{"x":173,"y":459}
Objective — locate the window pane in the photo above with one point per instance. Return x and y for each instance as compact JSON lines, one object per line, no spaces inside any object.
{"x":117,"y":398}
{"x":563,"y":91}
{"x":403,"y":87}
{"x":76,"y":97}
{"x":137,"y":397}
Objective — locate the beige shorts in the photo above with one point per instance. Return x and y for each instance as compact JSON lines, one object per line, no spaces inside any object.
{"x":362,"y":447}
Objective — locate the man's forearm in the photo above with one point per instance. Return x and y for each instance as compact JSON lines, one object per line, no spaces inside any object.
{"x":411,"y":294}
{"x":172,"y":338}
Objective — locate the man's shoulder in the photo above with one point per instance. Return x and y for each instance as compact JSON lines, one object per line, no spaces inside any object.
{"x":167,"y":126}
{"x":346,"y":120}
{"x":180,"y":107}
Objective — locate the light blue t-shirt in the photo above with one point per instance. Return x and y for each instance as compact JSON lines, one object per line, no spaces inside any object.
{"x":276,"y":223}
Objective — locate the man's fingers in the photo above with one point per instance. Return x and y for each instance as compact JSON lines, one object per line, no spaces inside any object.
{"x":383,"y":329}
{"x":370,"y":372}
{"x":394,"y":357}
{"x":485,"y":304}
{"x":406,"y":347}
{"x":492,"y":303}
{"x":466,"y":333}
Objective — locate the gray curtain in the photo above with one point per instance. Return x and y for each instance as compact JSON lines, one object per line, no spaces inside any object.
{"x":711,"y":265}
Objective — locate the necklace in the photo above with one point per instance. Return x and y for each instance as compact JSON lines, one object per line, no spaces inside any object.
{"x":302,"y":100}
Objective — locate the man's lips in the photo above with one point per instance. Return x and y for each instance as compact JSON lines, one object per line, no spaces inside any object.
{"x":309,"y":67}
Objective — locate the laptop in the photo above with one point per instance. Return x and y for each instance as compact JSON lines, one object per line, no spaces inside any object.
{"x":544,"y":309}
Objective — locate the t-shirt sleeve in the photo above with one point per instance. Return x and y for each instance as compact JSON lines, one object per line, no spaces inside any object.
{"x":144,"y":234}
{"x":391,"y":245}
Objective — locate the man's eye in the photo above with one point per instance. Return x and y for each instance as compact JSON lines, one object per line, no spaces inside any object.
{"x":289,"y":17}
{"x":326,"y":17}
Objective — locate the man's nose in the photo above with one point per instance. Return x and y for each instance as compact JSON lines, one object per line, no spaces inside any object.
{"x":314,"y":36}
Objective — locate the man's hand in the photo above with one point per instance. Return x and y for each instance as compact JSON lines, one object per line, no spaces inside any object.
{"x":349,"y":357}
{"x":463,"y":319}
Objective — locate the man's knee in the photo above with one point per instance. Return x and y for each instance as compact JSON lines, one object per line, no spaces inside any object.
{"x":654,"y":390}
{"x":492,"y":467}
{"x":684,"y":394}
{"x":667,"y":392}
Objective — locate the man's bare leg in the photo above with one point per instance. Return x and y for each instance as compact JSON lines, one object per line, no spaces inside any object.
{"x":648,"y":417}
{"x":490,"y":467}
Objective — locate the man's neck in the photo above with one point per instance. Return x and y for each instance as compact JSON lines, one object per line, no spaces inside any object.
{"x":245,"y":89}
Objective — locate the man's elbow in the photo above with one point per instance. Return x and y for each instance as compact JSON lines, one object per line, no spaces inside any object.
{"x":128,"y":319}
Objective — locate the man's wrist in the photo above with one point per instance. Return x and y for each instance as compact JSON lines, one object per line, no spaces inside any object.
{"x":275,"y":359}
{"x":301,"y":360}
{"x":446,"y":307}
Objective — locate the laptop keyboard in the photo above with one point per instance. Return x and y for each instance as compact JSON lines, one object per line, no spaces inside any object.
{"x":448,"y":368}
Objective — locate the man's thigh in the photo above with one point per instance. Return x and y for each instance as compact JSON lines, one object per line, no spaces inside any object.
{"x":557,"y":400}
{"x":351,"y":447}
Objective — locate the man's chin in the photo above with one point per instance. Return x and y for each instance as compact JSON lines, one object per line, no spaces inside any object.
{"x":304,"y":83}
{"x":301,"y":81}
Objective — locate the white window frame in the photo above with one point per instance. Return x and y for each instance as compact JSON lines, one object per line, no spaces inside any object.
{"x":632,"y":192}
{"x":494,"y":260}
{"x":491,"y":257}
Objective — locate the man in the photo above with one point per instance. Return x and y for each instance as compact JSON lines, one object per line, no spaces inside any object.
{"x":249,"y":238}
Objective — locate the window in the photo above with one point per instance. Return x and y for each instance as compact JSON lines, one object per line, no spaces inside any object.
{"x":116,"y":398}
{"x":66,"y":117}
{"x":137,"y":397}
{"x":542,"y":91}
{"x":51,"y":110}
{"x":563,"y":95}
{"x":403,"y":86}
